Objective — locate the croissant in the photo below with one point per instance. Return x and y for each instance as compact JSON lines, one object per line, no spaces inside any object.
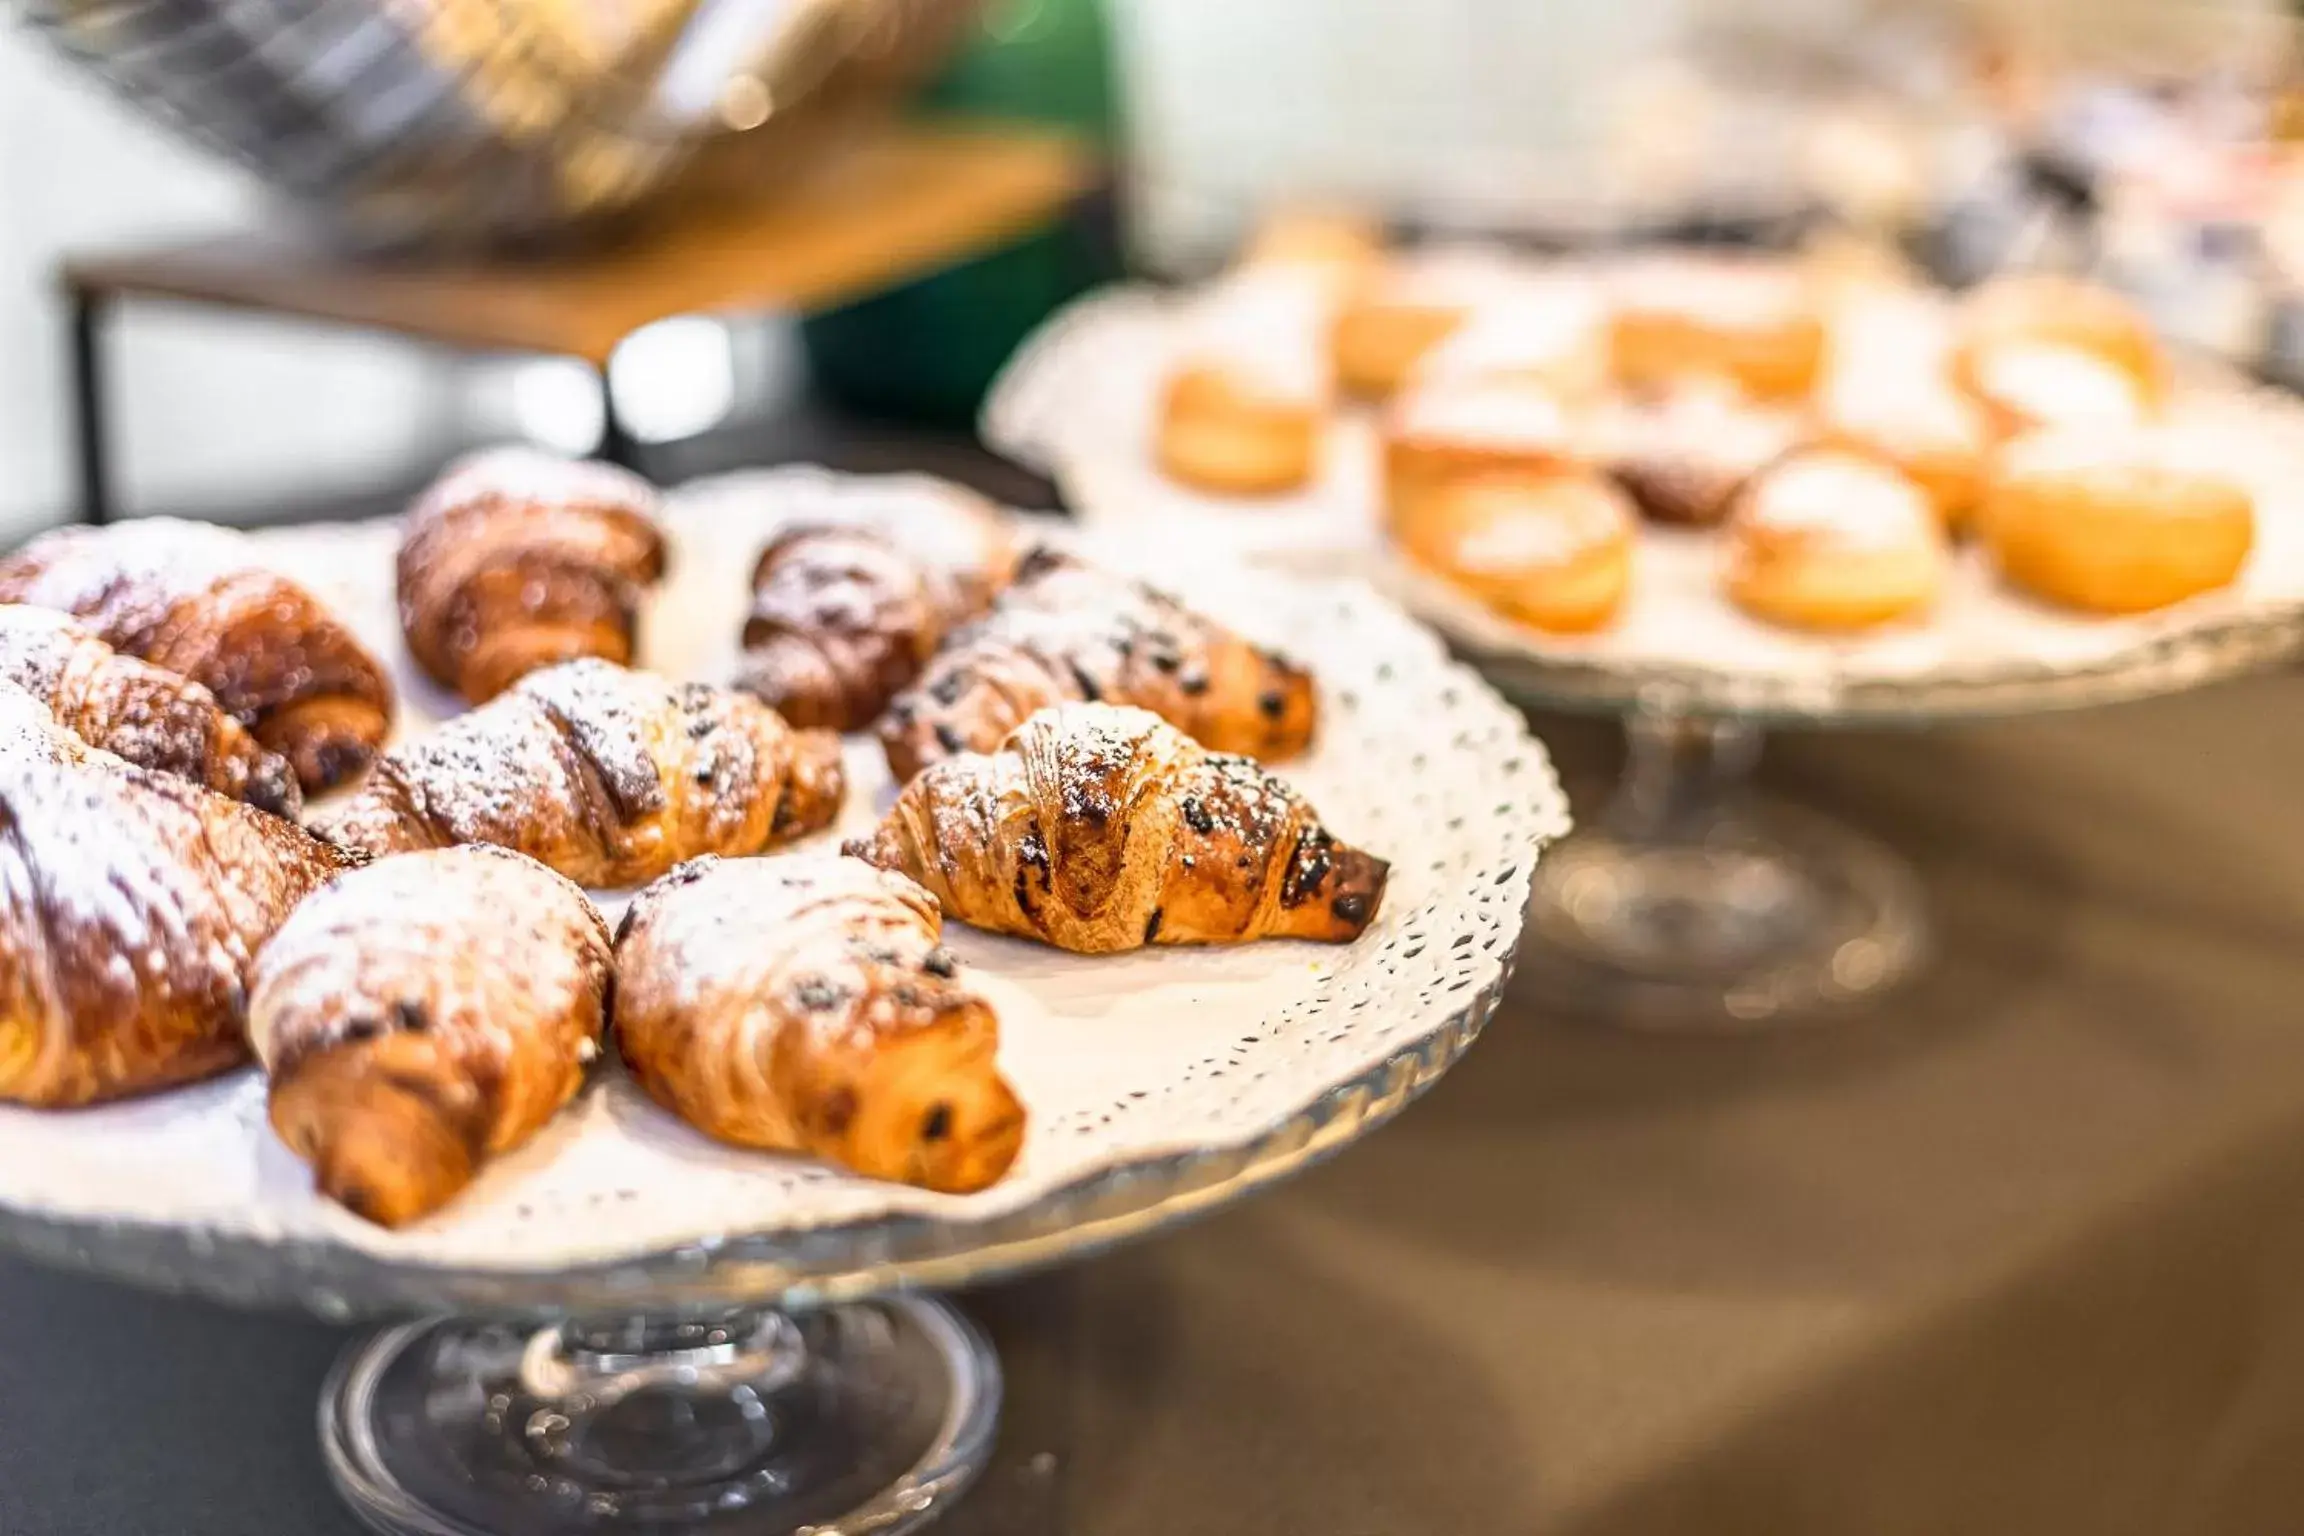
{"x":803,"y":1005}
{"x":194,"y":600}
{"x":845,"y":613}
{"x":1066,"y":631}
{"x":139,"y":712}
{"x":422,"y":1015}
{"x":514,"y":560}
{"x":610,"y":777}
{"x":132,"y":905}
{"x":1098,"y":829}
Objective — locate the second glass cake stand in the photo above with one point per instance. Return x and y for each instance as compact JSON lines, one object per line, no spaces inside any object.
{"x":1688,"y":901}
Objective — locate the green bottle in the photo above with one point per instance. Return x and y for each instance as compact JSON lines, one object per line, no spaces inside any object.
{"x":926,"y":352}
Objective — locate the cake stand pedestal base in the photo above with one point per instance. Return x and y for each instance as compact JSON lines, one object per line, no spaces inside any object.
{"x":1688,"y":906}
{"x":864,"y":1418}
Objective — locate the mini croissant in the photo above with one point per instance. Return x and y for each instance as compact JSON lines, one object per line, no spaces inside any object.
{"x":1098,"y":829}
{"x":608,"y":776}
{"x":137,"y":711}
{"x":847,"y":611}
{"x":802,"y":1005}
{"x":197,"y":601}
{"x":422,"y":1015}
{"x":1068,"y":632}
{"x":132,"y":905}
{"x":514,"y":560}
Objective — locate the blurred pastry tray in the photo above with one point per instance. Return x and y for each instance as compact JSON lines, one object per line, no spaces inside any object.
{"x":1078,"y":404}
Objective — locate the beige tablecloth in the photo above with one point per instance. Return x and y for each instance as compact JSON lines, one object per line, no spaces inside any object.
{"x":2021,"y":1252}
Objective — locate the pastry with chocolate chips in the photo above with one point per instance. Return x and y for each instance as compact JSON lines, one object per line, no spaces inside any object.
{"x":609,"y":777}
{"x":804,"y":1005}
{"x":1066,"y":632}
{"x":423,"y":1015}
{"x":1098,"y":829}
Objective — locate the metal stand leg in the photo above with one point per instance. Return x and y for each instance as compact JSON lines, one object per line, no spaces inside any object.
{"x":617,"y":445}
{"x":89,"y":427}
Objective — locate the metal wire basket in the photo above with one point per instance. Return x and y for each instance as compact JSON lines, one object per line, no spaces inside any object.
{"x":497,"y":122}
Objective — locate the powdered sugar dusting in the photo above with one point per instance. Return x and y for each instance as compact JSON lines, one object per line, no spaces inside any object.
{"x":1517,"y":532}
{"x":2154,"y":462}
{"x":1720,"y":290}
{"x":470,"y":940}
{"x":1906,"y":411}
{"x":2051,"y":384}
{"x":607,"y":772}
{"x":28,"y":732}
{"x":745,"y":928}
{"x":1554,"y":326}
{"x":1483,"y":412}
{"x":1842,"y":497}
{"x":520,"y":473}
{"x":1699,"y":423}
{"x":135,"y":903}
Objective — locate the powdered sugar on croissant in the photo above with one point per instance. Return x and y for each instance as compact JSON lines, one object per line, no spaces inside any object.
{"x":198,"y":601}
{"x":850,"y":603}
{"x":140,"y":712}
{"x":424,"y":1014}
{"x":515,"y":559}
{"x":1097,"y":829}
{"x":609,"y":776}
{"x":1066,"y":632}
{"x":802,"y":1004}
{"x":132,"y":905}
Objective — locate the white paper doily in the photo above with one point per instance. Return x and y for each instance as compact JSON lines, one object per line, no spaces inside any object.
{"x":1078,"y":404}
{"x":1120,"y":1060}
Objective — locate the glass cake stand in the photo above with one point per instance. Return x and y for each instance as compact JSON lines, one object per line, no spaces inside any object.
{"x":777,"y":1383}
{"x":1690,"y":903}
{"x":641,"y":1331}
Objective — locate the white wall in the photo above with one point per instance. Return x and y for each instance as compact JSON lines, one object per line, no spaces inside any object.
{"x":208,"y":410}
{"x":1480,"y":111}
{"x":1466,"y":104}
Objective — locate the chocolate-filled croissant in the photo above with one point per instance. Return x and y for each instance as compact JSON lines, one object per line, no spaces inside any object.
{"x":137,"y":711}
{"x":196,"y":600}
{"x":1066,"y":632}
{"x":515,"y":560}
{"x":132,"y":905}
{"x":846,"y":611}
{"x":422,"y":1015}
{"x":1098,"y":829}
{"x":608,"y":776}
{"x":803,"y":1005}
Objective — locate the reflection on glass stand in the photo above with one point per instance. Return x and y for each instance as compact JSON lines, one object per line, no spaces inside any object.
{"x":862,"y":1418}
{"x":1687,"y":902}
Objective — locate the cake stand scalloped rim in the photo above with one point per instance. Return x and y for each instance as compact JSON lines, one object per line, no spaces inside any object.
{"x":2169,"y":664}
{"x":811,"y":1266}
